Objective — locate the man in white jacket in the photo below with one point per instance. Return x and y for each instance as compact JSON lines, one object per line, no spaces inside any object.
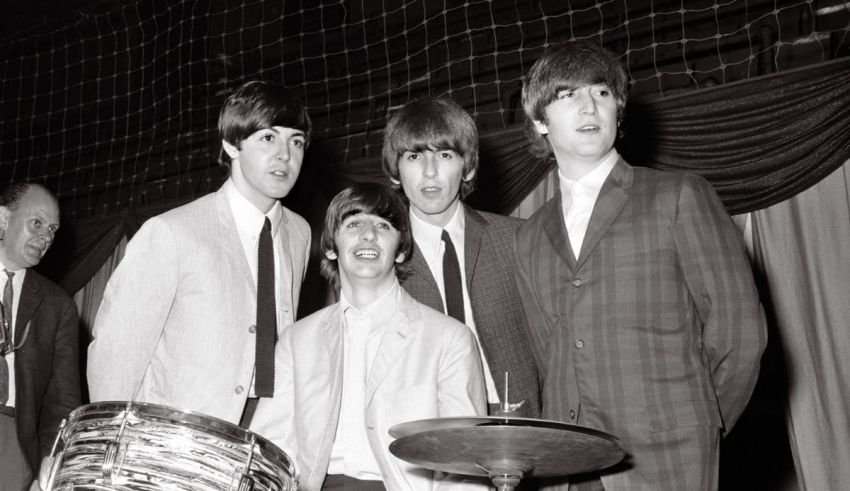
{"x":346,"y":374}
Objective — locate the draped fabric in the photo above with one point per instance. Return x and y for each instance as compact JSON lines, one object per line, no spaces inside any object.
{"x":758,"y":141}
{"x":800,"y":250}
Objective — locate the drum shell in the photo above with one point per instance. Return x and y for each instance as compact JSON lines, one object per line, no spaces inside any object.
{"x":141,"y":446}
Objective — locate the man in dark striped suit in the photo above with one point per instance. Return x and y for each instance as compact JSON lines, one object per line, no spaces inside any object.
{"x":644,"y":316}
{"x":431,"y":153}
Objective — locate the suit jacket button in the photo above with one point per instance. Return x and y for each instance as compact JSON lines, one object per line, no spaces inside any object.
{"x":572,"y":414}
{"x":252,"y":328}
{"x":579,"y":344}
{"x":577,"y":282}
{"x":239,"y":389}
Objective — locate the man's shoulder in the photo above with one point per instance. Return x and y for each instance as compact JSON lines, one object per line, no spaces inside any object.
{"x":538,"y":217}
{"x":192,"y":211}
{"x":493,"y":220}
{"x":47,"y":288}
{"x":317,"y":318}
{"x":295,"y":223}
{"x":418,"y":312}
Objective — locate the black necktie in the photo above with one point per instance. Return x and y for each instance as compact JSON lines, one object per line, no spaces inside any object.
{"x":452,"y":281}
{"x":6,"y":341}
{"x":266,"y":314}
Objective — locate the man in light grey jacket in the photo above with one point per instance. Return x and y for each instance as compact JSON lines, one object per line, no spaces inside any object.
{"x":180,"y":322}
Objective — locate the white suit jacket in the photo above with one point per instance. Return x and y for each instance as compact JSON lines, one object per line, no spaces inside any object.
{"x":176,"y":325}
{"x":427,"y":366}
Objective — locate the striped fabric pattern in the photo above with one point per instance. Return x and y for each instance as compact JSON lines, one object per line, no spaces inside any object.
{"x":656,"y":327}
{"x":499,"y":317}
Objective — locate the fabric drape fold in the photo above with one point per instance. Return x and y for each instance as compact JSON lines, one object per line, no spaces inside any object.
{"x":758,"y":141}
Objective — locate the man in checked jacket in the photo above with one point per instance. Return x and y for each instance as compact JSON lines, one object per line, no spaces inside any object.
{"x":644,"y":317}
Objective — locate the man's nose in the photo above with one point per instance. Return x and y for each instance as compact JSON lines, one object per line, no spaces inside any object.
{"x":430,"y":166}
{"x":368,"y":232}
{"x":283,"y":152}
{"x":588,"y":104}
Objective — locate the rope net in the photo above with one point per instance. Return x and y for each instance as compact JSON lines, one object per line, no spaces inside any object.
{"x":117,"y":109}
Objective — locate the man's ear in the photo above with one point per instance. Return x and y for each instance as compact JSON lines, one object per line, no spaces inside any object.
{"x":4,"y":217}
{"x":231,"y":150}
{"x":400,"y":258}
{"x":331,"y":255}
{"x":395,"y":181}
{"x":541,"y":127}
{"x":469,"y":175}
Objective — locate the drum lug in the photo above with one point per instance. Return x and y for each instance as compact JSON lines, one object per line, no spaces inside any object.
{"x":107,"y":467}
{"x":246,"y":483}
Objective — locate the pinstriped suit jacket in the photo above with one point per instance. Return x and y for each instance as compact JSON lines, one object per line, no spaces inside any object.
{"x":656,"y":327}
{"x":499,"y":319}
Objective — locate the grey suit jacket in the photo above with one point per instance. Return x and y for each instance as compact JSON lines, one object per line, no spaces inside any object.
{"x":47,"y":370}
{"x":176,"y":325}
{"x":426,"y":366}
{"x":496,"y":306}
{"x":655,"y":332}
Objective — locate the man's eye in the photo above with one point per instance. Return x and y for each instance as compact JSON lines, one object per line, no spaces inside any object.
{"x":412,"y":156}
{"x":385,"y":226}
{"x":297,"y":142}
{"x":36,"y":223}
{"x":446,"y":155}
{"x":565,"y":94}
{"x":353,"y":224}
{"x":268,"y":137}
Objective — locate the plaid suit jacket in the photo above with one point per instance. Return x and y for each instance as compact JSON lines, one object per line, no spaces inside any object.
{"x":499,"y":319}
{"x":655,"y":332}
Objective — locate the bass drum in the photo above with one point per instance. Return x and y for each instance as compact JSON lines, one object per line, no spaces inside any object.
{"x":142,"y":446}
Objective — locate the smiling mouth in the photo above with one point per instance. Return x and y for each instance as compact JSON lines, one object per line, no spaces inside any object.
{"x":279,"y":173}
{"x":366,"y":254}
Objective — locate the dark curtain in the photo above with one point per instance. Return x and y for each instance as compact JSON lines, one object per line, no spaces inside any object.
{"x":758,"y":141}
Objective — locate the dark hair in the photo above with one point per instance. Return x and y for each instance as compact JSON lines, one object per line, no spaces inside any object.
{"x":374,"y":199}
{"x":12,"y":194}
{"x":258,"y":105}
{"x":431,"y":124}
{"x":568,"y":66}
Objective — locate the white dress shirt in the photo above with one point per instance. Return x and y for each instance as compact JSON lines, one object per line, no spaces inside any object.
{"x":429,"y":239}
{"x":249,"y":222}
{"x":363,"y":329}
{"x":579,"y":197}
{"x":17,"y":284}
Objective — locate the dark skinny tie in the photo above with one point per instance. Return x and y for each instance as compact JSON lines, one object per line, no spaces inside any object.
{"x":6,"y":341}
{"x":452,"y":280}
{"x":266,"y":314}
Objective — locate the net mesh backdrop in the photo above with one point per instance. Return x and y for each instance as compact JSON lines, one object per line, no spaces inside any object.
{"x":118,"y":109}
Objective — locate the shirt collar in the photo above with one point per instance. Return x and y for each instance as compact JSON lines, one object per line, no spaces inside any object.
{"x":378,"y":312}
{"x":591,"y":183}
{"x":248,"y":217}
{"x":18,"y":279}
{"x":430,"y":236}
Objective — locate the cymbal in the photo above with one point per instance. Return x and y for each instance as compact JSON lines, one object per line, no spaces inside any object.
{"x":485,"y":446}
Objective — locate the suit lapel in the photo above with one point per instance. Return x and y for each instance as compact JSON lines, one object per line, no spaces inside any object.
{"x":285,"y":271}
{"x":473,"y":231}
{"x":231,"y":244}
{"x":330,"y":336}
{"x":556,"y":230}
{"x":400,"y":332}
{"x":610,"y":202}
{"x":418,"y":264}
{"x":28,"y":303}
